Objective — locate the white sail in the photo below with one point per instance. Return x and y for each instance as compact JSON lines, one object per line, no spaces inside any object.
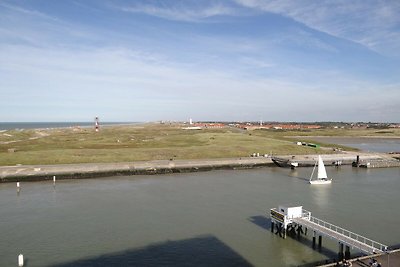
{"x":321,"y":169}
{"x":322,"y":177}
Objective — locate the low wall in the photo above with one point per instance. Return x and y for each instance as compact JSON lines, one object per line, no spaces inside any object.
{"x":81,"y":171}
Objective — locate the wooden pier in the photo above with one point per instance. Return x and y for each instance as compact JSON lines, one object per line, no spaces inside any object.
{"x":297,"y":220}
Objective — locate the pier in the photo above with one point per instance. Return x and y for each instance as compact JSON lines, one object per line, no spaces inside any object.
{"x":375,"y":160}
{"x":291,"y":220}
{"x":380,"y":164}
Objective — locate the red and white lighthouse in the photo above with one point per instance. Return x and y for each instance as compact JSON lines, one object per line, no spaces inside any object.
{"x":96,"y":124}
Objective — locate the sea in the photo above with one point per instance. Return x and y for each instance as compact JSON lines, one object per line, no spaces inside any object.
{"x":50,"y":125}
{"x":215,"y":218}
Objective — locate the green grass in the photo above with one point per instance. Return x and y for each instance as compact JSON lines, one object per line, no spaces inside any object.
{"x":153,"y":141}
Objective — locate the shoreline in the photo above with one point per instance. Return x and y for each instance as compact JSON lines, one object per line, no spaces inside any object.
{"x":97,"y":170}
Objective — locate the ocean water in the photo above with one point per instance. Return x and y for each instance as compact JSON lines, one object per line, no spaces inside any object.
{"x":216,"y":218}
{"x":44,"y":125}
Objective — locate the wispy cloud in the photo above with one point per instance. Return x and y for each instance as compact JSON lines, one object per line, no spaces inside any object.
{"x":135,"y":67}
{"x":191,"y":11}
{"x":36,"y":28}
{"x":374,"y":24}
{"x":101,"y":79}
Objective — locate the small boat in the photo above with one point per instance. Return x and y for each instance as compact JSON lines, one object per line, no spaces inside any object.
{"x":322,"y":177}
{"x":285,"y":163}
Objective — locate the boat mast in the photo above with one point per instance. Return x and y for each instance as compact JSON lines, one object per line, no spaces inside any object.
{"x":313,"y":170}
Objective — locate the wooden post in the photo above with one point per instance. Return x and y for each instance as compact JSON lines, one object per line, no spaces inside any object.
{"x":319,"y":241}
{"x":313,"y":240}
{"x":272,"y":226}
{"x":347,"y":253}
{"x":340,"y":254}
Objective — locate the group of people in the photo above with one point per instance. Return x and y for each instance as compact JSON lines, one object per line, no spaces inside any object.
{"x":374,"y":263}
{"x":347,"y":263}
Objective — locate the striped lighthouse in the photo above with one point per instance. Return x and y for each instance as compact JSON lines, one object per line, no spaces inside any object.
{"x":96,"y":124}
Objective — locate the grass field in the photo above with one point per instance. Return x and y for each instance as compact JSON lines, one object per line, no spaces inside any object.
{"x":155,"y":141}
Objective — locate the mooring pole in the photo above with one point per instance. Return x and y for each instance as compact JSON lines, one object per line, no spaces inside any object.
{"x":347,"y":253}
{"x":20,"y":260}
{"x":319,"y":241}
{"x":272,"y":226}
{"x":18,"y":187}
{"x":340,"y":254}
{"x":313,"y":240}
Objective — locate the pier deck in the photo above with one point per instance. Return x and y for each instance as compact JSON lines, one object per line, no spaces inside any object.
{"x":344,"y":236}
{"x":292,"y":219}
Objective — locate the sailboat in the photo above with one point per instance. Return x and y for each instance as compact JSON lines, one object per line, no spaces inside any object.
{"x":322,"y":177}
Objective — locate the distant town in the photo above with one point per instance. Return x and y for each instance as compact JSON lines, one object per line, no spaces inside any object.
{"x":288,"y":125}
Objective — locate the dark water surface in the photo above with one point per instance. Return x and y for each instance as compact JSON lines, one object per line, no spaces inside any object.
{"x":217,"y":218}
{"x":368,"y":144}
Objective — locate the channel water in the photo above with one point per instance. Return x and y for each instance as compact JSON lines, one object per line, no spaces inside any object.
{"x":216,"y":218}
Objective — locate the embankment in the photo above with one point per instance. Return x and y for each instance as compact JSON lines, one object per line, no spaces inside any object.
{"x":91,"y":170}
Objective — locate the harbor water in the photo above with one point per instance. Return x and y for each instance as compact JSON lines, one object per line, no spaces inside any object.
{"x":368,"y":144}
{"x":216,"y":218}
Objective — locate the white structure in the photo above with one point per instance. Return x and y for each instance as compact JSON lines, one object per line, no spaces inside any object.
{"x":322,"y":177}
{"x":190,"y":121}
{"x":285,"y":214}
{"x":20,"y":260}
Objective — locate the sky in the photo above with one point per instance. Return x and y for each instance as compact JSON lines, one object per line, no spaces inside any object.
{"x":220,"y":60}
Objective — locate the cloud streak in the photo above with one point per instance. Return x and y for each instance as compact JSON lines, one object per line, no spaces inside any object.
{"x":134,"y":85}
{"x":374,"y":24}
{"x":166,"y":65}
{"x":188,"y":11}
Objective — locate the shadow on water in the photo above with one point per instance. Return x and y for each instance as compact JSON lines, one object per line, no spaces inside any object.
{"x":199,"y":251}
{"x":261,"y":221}
{"x":265,"y":223}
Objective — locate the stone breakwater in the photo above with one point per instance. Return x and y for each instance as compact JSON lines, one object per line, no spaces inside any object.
{"x":93,"y":170}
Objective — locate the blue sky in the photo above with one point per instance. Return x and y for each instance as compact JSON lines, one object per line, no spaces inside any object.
{"x":209,"y":60}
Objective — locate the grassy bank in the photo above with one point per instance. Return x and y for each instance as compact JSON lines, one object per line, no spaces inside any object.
{"x":147,"y":142}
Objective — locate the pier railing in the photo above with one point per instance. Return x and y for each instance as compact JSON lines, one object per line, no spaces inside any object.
{"x":362,"y":239}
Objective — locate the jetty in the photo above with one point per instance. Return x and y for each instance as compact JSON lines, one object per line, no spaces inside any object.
{"x":93,"y":170}
{"x":296,"y":220}
{"x":380,"y":164}
{"x":366,"y":160}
